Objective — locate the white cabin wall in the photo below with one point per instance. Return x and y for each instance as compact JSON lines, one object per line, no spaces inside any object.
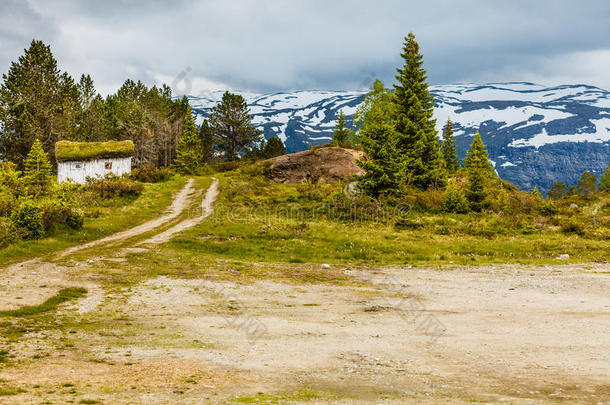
{"x":91,"y":168}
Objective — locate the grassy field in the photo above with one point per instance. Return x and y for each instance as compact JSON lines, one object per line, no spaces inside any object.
{"x":259,"y":221}
{"x":102,"y":219}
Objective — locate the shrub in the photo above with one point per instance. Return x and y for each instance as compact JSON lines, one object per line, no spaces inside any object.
{"x":112,"y":186}
{"x":151,"y":174}
{"x":75,"y":219}
{"x":53,"y":213}
{"x":29,"y":219}
{"x":455,"y":201}
{"x":548,"y":208}
{"x":571,"y":226}
{"x":7,"y":202}
{"x":9,"y":233}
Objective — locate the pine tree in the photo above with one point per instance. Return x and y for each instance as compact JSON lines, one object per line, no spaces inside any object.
{"x":274,"y":147}
{"x":232,"y":125}
{"x":206,"y":135}
{"x":452,"y":163}
{"x":587,"y":184}
{"x":536,"y":194}
{"x":189,"y":150}
{"x":342,"y":134}
{"x":37,"y":169}
{"x":558,"y":190}
{"x":37,"y":101}
{"x":378,"y":139}
{"x":477,"y":157}
{"x":605,"y":180}
{"x":479,"y":170}
{"x":417,"y":140}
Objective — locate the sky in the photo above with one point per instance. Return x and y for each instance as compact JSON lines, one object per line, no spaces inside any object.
{"x":285,"y":45}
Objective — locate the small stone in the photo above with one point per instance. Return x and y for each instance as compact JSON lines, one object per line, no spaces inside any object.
{"x":573,"y":205}
{"x":90,"y":261}
{"x":326,"y":266}
{"x":564,"y":256}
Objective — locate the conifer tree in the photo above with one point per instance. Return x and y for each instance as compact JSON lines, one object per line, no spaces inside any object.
{"x":378,"y":139}
{"x":477,"y":157}
{"x":342,"y":134}
{"x":558,"y":190}
{"x":479,"y":170}
{"x":37,"y":169}
{"x":189,"y":150}
{"x":417,"y":140}
{"x":605,"y":180}
{"x":232,"y":126}
{"x":587,"y":184}
{"x":452,"y":163}
{"x":536,"y":194}
{"x":206,"y":135}
{"x":274,"y":147}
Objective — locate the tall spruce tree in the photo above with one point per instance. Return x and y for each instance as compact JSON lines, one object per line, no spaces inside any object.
{"x":558,"y":190}
{"x":452,"y":163}
{"x":206,"y":134}
{"x":587,"y":184}
{"x":377,"y":135}
{"x":479,"y":171}
{"x":342,"y":134}
{"x":274,"y":147}
{"x":189,"y":151}
{"x":477,"y":157}
{"x":37,"y":101}
{"x":417,"y":140}
{"x":37,"y":171}
{"x":231,"y":123}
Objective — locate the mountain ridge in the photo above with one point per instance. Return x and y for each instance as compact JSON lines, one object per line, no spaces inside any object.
{"x":535,"y":134}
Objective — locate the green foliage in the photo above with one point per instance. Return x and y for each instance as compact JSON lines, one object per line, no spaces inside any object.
{"x":342,"y":134}
{"x":231,"y":124}
{"x":477,"y":157}
{"x":112,"y":186}
{"x":37,"y":101}
{"x":476,"y":193}
{"x":51,"y":304}
{"x":548,"y":208}
{"x":28,"y":217}
{"x":69,"y":151}
{"x":206,"y":135}
{"x":558,"y":191}
{"x":378,"y":138}
{"x":455,"y":200}
{"x":587,"y":184}
{"x":452,"y":163}
{"x":536,"y":194}
{"x":75,"y":219}
{"x":9,"y":232}
{"x":151,"y":174}
{"x":37,"y":173}
{"x":189,"y":151}
{"x":53,"y":213}
{"x":273,"y":147}
{"x":605,"y":179}
{"x":417,"y":143}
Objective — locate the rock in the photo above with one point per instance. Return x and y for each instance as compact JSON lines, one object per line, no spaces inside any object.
{"x":90,"y":261}
{"x":564,"y":256}
{"x":326,"y":266}
{"x":573,"y":206}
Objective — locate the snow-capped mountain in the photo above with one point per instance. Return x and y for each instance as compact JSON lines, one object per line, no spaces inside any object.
{"x":535,"y":134}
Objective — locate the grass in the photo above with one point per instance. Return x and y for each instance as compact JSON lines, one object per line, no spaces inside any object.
{"x":9,"y":391}
{"x":102,"y":219}
{"x":50,"y":304}
{"x":67,"y":150}
{"x":282,"y":398}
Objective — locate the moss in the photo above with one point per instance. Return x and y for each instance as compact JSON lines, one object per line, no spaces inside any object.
{"x":51,"y":304}
{"x":70,"y":151}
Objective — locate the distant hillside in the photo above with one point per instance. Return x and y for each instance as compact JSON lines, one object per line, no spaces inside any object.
{"x":534,"y":134}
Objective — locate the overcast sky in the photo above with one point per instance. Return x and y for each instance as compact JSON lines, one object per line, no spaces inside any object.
{"x":281,"y":45}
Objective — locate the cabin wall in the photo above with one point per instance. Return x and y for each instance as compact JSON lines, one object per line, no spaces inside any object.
{"x":79,"y":171}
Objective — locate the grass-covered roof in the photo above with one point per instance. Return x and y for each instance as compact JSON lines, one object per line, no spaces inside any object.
{"x":71,"y":151}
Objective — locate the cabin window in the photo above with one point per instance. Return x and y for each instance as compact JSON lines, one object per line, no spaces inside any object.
{"x":108,"y":165}
{"x":78,"y":165}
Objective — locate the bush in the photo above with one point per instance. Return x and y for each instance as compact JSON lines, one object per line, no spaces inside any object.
{"x":548,"y":208}
{"x":7,"y":202}
{"x":29,"y":219}
{"x":455,"y":201}
{"x":53,"y":213}
{"x":9,"y":233}
{"x":75,"y":219}
{"x":112,"y":186}
{"x":571,"y":226}
{"x":151,"y":174}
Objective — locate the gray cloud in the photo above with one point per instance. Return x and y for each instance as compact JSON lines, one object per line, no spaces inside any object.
{"x":267,"y":45}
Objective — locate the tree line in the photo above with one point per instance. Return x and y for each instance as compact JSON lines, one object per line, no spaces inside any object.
{"x":38,"y":101}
